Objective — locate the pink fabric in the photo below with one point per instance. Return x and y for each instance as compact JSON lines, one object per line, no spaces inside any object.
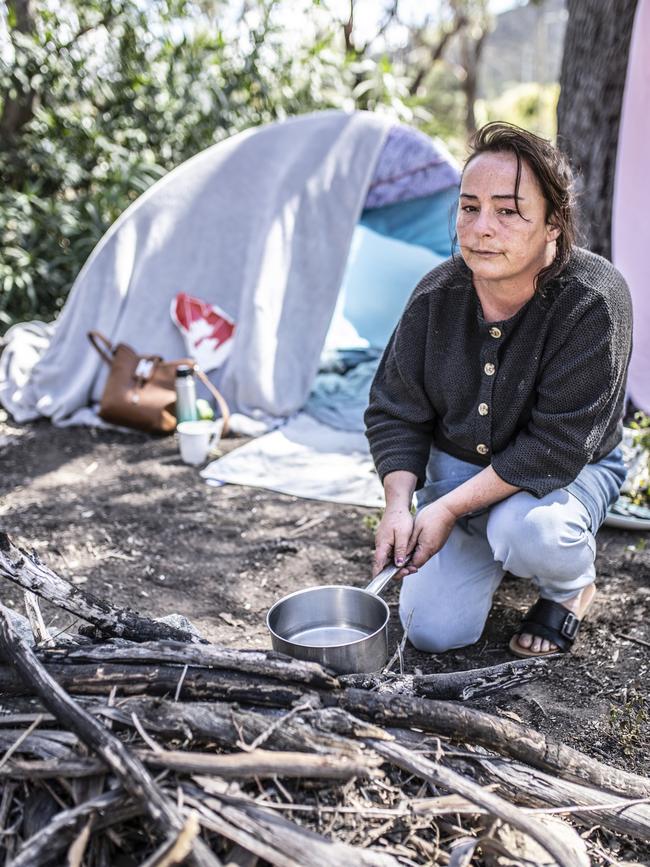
{"x":631,"y":219}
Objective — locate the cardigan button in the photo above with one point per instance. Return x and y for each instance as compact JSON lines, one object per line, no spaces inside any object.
{"x":482,"y":449}
{"x":483,"y":409}
{"x":495,"y":332}
{"x":489,"y":369}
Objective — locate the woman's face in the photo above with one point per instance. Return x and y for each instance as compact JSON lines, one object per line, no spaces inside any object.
{"x":499,"y":245}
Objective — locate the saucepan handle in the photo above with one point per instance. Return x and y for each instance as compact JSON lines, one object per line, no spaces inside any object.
{"x":378,"y":583}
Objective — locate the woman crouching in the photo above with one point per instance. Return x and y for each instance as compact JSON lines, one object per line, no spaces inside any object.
{"x":499,"y":398}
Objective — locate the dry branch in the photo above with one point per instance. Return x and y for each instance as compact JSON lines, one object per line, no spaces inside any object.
{"x":440,"y":776}
{"x":27,"y":571}
{"x":496,"y":733}
{"x":260,"y":763}
{"x":228,"y":725}
{"x":542,"y":790}
{"x":134,"y":777}
{"x":197,"y":683}
{"x":267,"y":664}
{"x":275,"y":838}
{"x":39,"y":629}
{"x":460,"y":685}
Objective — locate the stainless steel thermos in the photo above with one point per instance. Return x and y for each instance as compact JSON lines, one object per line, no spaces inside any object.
{"x":185,"y":394}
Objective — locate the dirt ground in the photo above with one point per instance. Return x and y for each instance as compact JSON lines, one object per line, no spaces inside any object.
{"x":120,"y":515}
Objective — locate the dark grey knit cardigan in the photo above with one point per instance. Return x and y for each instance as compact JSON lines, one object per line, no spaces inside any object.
{"x":537,"y":396}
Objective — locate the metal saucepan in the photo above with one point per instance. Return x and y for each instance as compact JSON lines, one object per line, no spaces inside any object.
{"x":344,"y":628}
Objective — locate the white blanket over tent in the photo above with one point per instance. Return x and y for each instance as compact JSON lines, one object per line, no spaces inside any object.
{"x":297,"y":188}
{"x":259,"y":226}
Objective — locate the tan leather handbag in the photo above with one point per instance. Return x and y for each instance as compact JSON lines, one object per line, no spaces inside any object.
{"x":140,"y":391}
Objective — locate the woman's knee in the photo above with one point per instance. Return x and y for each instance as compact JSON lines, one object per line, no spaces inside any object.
{"x":437,"y":628}
{"x":533,"y":537}
{"x":436,"y":637}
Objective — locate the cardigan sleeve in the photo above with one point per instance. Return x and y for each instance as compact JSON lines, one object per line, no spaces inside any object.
{"x":579,"y":390}
{"x":400,"y":418}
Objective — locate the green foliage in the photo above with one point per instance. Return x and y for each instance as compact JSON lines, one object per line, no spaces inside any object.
{"x":100,"y":98}
{"x":628,"y":722}
{"x":641,"y":424}
{"x":119,"y":97}
{"x":639,"y":485}
{"x":532,"y":106}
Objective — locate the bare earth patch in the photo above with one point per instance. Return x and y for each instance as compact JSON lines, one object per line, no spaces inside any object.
{"x":120,"y":515}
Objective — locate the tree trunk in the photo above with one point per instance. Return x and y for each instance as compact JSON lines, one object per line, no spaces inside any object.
{"x":471,"y":49}
{"x":18,"y":107}
{"x":592,"y":81}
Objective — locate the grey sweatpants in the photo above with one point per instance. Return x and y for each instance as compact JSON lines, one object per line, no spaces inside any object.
{"x":546,"y":540}
{"x":549,"y":541}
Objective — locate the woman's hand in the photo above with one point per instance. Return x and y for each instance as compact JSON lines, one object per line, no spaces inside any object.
{"x":396,"y":526}
{"x":431,"y":529}
{"x":392,"y":539}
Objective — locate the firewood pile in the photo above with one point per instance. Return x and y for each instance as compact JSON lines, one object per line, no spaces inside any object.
{"x":135,"y":742}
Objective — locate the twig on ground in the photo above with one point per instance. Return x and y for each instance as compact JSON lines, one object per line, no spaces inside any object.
{"x":35,"y":617}
{"x":633,"y":639}
{"x":179,"y":686}
{"x":399,"y":650}
{"x":23,"y":737}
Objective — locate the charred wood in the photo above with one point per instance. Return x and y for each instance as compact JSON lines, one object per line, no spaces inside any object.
{"x":130,"y":771}
{"x":505,"y":736}
{"x":27,"y":571}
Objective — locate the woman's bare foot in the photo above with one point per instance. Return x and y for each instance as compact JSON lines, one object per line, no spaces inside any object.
{"x":577,"y":604}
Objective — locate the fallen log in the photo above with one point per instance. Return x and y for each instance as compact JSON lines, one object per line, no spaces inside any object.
{"x":133,"y":775}
{"x":458,"y":685}
{"x":187,"y":684}
{"x":496,"y":733}
{"x":287,"y":706}
{"x":267,"y":664}
{"x":233,"y":727}
{"x":27,"y":571}
{"x":525,"y":785}
{"x":588,"y":806}
{"x":442,"y":718}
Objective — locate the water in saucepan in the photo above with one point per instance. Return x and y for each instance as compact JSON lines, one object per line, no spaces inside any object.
{"x":327,"y":636}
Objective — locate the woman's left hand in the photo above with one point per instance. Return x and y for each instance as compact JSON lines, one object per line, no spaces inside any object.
{"x":431,"y":529}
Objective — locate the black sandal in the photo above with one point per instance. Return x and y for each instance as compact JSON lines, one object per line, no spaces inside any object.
{"x":549,"y":620}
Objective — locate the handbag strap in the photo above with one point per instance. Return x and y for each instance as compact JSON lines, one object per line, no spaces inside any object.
{"x":101,"y":344}
{"x":220,"y":399}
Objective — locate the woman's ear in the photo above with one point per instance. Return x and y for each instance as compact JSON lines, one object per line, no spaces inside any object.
{"x":553,"y":231}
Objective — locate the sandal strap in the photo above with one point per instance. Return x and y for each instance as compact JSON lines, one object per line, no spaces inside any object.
{"x":551,"y":620}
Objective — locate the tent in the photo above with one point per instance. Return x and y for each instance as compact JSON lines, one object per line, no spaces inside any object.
{"x":261,"y":225}
{"x":307,"y":233}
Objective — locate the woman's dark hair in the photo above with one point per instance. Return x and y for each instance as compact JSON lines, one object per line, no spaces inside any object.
{"x":554,"y":176}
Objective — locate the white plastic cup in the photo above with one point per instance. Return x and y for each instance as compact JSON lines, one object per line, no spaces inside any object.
{"x":197,"y":438}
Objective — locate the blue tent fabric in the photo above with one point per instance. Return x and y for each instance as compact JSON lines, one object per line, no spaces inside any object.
{"x":405,"y":230}
{"x":427,"y":221}
{"x":340,"y":399}
{"x":379,"y":279}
